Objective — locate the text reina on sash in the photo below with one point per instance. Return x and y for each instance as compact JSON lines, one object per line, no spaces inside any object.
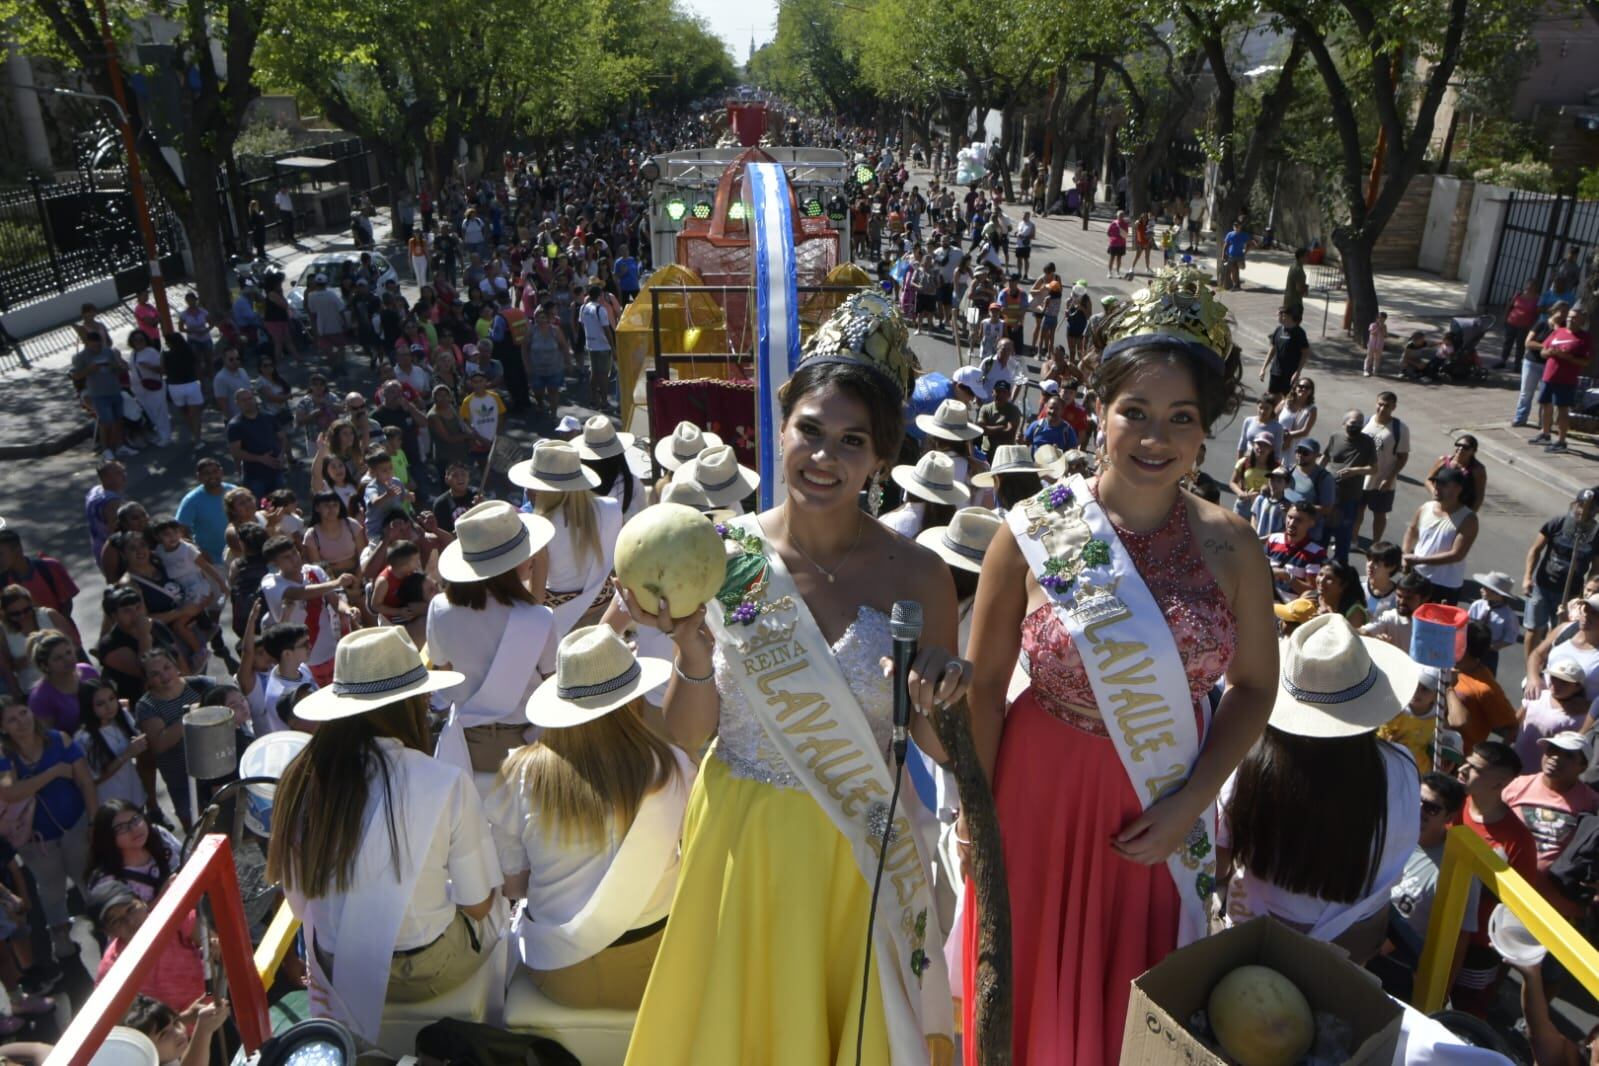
{"x":842,"y":767}
{"x":1139,"y":711}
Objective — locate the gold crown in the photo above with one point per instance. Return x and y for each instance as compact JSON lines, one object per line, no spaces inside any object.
{"x":866,"y":329}
{"x":1178,"y":301}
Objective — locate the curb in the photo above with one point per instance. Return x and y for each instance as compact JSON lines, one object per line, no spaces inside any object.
{"x":1520,"y":460}
{"x":52,"y":446}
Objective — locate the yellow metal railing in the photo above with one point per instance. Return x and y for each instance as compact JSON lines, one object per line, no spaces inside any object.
{"x":1466,"y":856}
{"x":274,"y":947}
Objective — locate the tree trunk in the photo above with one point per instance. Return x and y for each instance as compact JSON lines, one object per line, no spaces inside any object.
{"x":991,"y":982}
{"x":199,"y":209}
{"x":1355,"y":252}
{"x":1007,"y":149}
{"x":1234,"y":195}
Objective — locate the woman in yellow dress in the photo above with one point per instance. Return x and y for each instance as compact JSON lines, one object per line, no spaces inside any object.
{"x":762,"y":959}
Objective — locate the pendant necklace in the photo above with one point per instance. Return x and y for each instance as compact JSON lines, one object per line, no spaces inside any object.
{"x":788,"y":532}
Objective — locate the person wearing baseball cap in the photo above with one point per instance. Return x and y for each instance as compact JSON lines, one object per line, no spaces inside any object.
{"x":970,"y":388}
{"x":1342,"y":859}
{"x":999,"y":418}
{"x":1311,"y":483}
{"x":1551,"y":801}
{"x":383,"y":851}
{"x":1562,"y":707}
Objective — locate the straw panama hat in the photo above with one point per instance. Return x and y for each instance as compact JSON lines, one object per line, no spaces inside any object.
{"x":1008,"y":459}
{"x":932,"y":478}
{"x":1336,"y":683}
{"x":601,"y":440}
{"x":595,"y":672}
{"x":555,"y":467}
{"x":1500,"y":582}
{"x":716,"y":470}
{"x":964,"y":541}
{"x":952,"y":421}
{"x":373,"y":668}
{"x":490,"y":539}
{"x":686,"y":441}
{"x":1045,"y":455}
{"x":689,"y":494}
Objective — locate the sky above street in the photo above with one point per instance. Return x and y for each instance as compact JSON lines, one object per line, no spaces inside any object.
{"x":735,"y":20}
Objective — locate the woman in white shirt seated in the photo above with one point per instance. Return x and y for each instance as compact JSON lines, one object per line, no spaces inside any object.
{"x":488,"y":625}
{"x":932,"y":495}
{"x":587,"y":821}
{"x":604,"y":451}
{"x":381,"y":849}
{"x":1317,"y":822}
{"x":580,"y":552}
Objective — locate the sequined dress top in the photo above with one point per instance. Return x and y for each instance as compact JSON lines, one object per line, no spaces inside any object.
{"x":1180,"y":581}
{"x":742,"y":743}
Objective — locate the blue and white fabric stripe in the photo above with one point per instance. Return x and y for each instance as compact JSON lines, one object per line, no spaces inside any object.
{"x":777,"y":348}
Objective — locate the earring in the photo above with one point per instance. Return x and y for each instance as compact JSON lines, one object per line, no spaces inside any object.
{"x":874,"y":494}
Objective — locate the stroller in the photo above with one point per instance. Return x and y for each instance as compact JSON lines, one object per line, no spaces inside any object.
{"x":1464,"y":367}
{"x":1455,"y":360}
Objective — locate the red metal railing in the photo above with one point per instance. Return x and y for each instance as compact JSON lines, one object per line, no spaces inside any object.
{"x":209,"y":872}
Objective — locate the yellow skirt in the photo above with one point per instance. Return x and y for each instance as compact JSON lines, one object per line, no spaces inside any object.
{"x":762,"y":957}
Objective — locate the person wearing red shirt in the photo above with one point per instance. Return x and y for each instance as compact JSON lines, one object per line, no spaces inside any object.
{"x":44,"y":577}
{"x":1490,"y":767}
{"x":1566,"y":352}
{"x":1550,"y":803}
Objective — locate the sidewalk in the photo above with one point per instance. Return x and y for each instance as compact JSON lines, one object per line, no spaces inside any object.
{"x":39,"y":412}
{"x":1412,"y":299}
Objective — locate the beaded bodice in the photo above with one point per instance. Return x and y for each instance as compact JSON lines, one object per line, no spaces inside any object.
{"x":742,"y":743}
{"x":1180,"y":581}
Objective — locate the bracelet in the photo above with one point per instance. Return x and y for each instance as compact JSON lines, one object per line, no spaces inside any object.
{"x":707,"y":679}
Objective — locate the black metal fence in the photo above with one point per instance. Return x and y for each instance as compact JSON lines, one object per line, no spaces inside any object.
{"x":261,"y":176}
{"x":57,"y":235}
{"x":1537,"y":231}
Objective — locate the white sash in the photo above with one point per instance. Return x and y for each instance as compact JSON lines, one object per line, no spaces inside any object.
{"x":376,"y":900}
{"x":499,"y":697}
{"x":1134,"y":667}
{"x":651,"y":845}
{"x":792,"y":682}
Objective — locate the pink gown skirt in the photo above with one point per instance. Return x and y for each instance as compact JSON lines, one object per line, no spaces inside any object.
{"x":1084,"y":921}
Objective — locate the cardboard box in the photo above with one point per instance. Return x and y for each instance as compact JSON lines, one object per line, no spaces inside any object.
{"x":1168,"y":994}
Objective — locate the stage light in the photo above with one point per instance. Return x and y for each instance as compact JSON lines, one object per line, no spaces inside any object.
{"x":313,"y":1042}
{"x":837,"y":209}
{"x":676,"y":209}
{"x":650,"y":170}
{"x":702,"y":209}
{"x":735,"y":211}
{"x":865,"y":175}
{"x":813,"y":208}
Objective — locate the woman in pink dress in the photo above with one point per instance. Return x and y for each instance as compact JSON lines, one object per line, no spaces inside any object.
{"x":1093,"y":902}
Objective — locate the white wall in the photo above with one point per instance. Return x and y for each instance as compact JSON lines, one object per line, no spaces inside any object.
{"x":62,"y":307}
{"x":1440,"y":218}
{"x":1488,"y":204}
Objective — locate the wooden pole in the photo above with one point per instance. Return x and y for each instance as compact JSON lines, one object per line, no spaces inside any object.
{"x":991,"y":979}
{"x":130,"y":148}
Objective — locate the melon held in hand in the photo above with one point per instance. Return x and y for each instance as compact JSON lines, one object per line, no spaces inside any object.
{"x":1260,"y":1018}
{"x":673,"y":553}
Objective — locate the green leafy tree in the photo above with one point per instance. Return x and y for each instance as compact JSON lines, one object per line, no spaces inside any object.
{"x":213,"y":97}
{"x":1399,"y":58}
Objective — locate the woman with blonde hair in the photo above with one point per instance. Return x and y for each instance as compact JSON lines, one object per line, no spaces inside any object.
{"x":560,"y":489}
{"x":586,"y":821}
{"x":489,"y":626}
{"x":382,"y":850}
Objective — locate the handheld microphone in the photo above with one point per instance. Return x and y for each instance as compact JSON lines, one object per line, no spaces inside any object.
{"x":905,"y":626}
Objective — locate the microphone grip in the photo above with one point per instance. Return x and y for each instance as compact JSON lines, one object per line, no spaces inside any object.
{"x":904,"y":655}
